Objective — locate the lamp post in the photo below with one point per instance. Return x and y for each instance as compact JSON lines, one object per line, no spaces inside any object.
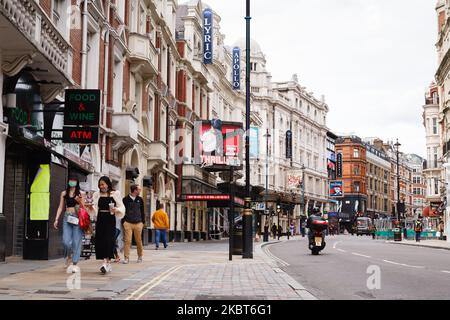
{"x":397,"y":146}
{"x":447,"y":209}
{"x":247,"y":252}
{"x":266,"y":195}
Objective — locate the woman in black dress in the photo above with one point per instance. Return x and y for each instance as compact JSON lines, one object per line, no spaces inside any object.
{"x":107,"y":205}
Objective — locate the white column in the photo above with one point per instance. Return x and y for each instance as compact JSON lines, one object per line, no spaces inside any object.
{"x":2,"y":139}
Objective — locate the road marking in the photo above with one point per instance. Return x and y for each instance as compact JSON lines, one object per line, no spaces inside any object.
{"x":341,"y":250}
{"x":445,"y":271}
{"x":149,"y":284}
{"x":270,"y":254}
{"x":404,"y":264}
{"x":360,"y":255}
{"x":392,"y":262}
{"x":158,"y":282}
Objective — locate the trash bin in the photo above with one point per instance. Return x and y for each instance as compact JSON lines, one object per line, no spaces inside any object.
{"x":397,"y":234}
{"x":237,"y":242}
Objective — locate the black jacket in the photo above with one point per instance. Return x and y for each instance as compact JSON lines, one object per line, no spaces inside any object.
{"x":134,"y":212}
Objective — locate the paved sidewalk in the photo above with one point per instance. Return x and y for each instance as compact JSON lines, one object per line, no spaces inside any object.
{"x":186,"y":271}
{"x":436,"y":244}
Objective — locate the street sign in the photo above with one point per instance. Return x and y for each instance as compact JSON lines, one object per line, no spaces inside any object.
{"x":80,"y":135}
{"x":82,"y":107}
{"x":259,"y":206}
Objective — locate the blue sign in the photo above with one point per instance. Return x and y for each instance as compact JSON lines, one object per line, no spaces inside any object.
{"x":336,"y":189}
{"x":236,"y":68}
{"x":254,"y":142}
{"x":207,"y":36}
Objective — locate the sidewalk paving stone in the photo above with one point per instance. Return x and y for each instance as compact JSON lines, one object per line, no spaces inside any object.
{"x":182,"y":273}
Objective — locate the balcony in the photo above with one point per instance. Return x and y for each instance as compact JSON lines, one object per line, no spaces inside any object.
{"x":157,"y":154}
{"x":31,"y":39}
{"x":201,"y":73}
{"x":143,"y":55}
{"x":126,"y":127}
{"x":195,"y":172}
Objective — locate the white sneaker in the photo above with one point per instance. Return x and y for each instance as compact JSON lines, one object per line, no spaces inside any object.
{"x":108,"y":268}
{"x":139,"y":260}
{"x":76,"y":269}
{"x":67,"y":262}
{"x":70,"y":269}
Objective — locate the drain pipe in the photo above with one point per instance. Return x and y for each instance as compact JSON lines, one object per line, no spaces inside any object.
{"x":84,"y":15}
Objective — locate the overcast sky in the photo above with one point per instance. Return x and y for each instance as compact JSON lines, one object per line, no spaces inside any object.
{"x":372,"y":59}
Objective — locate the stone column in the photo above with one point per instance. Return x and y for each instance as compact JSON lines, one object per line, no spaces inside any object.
{"x":3,"y":133}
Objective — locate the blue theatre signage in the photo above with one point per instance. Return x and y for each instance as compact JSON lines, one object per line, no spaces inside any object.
{"x":236,"y":68}
{"x":207,"y":36}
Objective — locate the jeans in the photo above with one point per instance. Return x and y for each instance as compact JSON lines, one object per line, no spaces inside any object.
{"x":158,"y":234}
{"x":72,"y":235}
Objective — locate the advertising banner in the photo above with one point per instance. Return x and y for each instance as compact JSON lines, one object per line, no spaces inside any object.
{"x":218,"y":145}
{"x":294,"y":179}
{"x":336,"y":189}
{"x":254,"y":142}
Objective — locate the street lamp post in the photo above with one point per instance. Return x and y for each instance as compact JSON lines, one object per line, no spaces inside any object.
{"x":247,"y":252}
{"x":266,"y":195}
{"x":397,"y":145}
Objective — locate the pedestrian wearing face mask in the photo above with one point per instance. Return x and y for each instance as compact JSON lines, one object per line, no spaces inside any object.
{"x":70,"y":199}
{"x":106,"y":206}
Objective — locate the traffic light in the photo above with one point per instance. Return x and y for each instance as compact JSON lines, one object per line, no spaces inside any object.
{"x":278,"y":207}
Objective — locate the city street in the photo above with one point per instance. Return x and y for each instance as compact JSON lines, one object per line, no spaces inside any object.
{"x":340,"y":271}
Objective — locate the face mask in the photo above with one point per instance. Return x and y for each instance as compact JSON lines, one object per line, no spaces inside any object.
{"x":72,"y":184}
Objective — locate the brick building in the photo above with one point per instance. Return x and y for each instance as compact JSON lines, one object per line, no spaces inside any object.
{"x":354,"y":167}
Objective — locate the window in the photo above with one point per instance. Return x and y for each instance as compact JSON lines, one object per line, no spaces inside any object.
{"x":356,"y":186}
{"x":436,"y":186}
{"x":435,"y":162}
{"x":356,"y":170}
{"x":355,"y":153}
{"x":435,"y":98}
{"x":435,"y":129}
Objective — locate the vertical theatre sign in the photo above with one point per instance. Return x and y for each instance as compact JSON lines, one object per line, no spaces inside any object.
{"x":289,"y":144}
{"x":236,"y":68}
{"x":81,"y":116}
{"x":207,"y":36}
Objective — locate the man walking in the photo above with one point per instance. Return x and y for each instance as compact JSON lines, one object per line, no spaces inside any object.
{"x":160,"y":221}
{"x":274,"y":230}
{"x":133,"y":222}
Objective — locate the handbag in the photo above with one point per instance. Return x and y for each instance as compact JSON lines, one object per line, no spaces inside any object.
{"x":84,"y":218}
{"x":72,"y":220}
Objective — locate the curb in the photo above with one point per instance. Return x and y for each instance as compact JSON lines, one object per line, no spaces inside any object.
{"x":418,"y":245}
{"x":300,"y":290}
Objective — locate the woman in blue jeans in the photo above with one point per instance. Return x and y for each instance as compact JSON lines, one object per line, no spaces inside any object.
{"x":70,"y":201}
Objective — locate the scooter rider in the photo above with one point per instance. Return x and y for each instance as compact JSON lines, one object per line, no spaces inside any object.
{"x":314,"y":216}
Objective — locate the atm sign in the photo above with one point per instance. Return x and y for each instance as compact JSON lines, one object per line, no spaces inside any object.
{"x":87,"y":135}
